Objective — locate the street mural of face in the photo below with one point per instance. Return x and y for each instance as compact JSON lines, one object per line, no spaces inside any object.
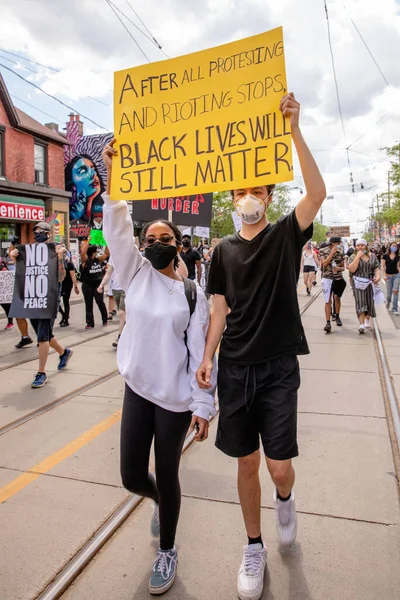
{"x":83,"y":180}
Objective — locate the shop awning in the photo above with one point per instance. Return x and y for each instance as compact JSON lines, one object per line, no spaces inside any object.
{"x":16,"y":208}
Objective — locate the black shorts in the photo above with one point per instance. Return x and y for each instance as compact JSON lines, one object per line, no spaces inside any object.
{"x":309,"y":269}
{"x":43,"y":329}
{"x":338,"y":287}
{"x":258,"y":400}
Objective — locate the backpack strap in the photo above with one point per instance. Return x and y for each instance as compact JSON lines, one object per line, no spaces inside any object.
{"x":191,"y":297}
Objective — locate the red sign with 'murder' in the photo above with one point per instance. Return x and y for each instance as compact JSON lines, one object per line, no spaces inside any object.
{"x":186,"y":210}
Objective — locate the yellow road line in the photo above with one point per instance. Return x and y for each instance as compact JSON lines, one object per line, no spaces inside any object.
{"x":19,"y":483}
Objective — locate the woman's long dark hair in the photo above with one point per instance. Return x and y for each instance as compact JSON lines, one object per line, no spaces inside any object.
{"x":175,"y":229}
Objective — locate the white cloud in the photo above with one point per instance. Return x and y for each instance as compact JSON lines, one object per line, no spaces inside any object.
{"x":85,"y":40}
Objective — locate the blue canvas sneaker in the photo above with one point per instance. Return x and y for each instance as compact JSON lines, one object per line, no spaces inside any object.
{"x":163,"y":572}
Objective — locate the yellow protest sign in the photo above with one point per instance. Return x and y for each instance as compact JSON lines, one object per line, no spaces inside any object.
{"x":203,"y":122}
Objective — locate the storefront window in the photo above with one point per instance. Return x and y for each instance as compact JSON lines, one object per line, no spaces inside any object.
{"x":7,"y":232}
{"x":40,"y":164}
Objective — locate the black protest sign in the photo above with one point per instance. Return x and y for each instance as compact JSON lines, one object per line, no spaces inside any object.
{"x":36,"y":282}
{"x":185,"y":210}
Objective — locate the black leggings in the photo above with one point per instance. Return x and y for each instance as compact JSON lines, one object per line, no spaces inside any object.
{"x":141,"y":421}
{"x":90,"y":293}
{"x":65,"y":295}
{"x":6,"y":308}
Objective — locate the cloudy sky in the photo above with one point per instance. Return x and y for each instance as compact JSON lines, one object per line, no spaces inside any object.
{"x":83,"y":43}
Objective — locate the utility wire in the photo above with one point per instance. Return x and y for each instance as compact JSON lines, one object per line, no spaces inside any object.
{"x":334,"y":71}
{"x":30,"y":60}
{"x":36,"y":108}
{"x":127,"y":30}
{"x":134,"y":24}
{"x":145,"y":26}
{"x":367,"y":47}
{"x":51,"y":79}
{"x":362,"y":135}
{"x":53,"y":97}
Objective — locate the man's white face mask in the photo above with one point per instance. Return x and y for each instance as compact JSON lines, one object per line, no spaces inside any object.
{"x":251,"y":209}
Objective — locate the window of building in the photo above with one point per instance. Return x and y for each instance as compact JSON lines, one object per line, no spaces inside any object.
{"x":2,"y":136}
{"x":40,"y":163}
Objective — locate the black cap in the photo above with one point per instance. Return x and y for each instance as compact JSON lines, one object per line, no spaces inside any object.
{"x":335,"y":239}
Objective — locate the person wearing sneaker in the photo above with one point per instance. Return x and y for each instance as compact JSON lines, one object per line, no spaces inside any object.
{"x":365,"y":270}
{"x":309,"y":264}
{"x":118,"y":294}
{"x":333,"y":285}
{"x":92,"y":273}
{"x":44,"y":327}
{"x":253,"y":279}
{"x":391,"y":270}
{"x":160,"y":349}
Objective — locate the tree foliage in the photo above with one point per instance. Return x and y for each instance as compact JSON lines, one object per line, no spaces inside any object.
{"x":389,"y":213}
{"x":320,"y":230}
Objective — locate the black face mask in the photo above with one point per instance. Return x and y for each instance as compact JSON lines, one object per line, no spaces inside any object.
{"x":40,"y":236}
{"x":160,"y":256}
{"x":186,"y":243}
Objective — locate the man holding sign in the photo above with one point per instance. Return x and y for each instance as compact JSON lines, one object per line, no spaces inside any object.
{"x":253,"y":278}
{"x":40,"y":270}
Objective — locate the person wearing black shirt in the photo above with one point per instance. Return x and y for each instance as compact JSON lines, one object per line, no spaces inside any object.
{"x":192,"y":258}
{"x":66,"y":289}
{"x":253,"y":279}
{"x":391,"y":269}
{"x":92,"y":274}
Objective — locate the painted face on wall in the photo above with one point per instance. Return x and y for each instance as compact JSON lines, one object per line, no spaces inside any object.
{"x":85,"y":178}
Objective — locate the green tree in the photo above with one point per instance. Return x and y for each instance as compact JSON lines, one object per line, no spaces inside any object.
{"x":280,"y":205}
{"x":320,"y":230}
{"x":368,"y":236}
{"x":222,"y":222}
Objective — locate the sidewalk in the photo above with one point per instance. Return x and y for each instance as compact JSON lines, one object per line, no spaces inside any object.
{"x":348,"y":545}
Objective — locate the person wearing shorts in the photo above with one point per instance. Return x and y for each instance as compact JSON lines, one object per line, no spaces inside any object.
{"x":118,"y":295}
{"x":253,"y":279}
{"x":44,"y":327}
{"x":333,"y":284}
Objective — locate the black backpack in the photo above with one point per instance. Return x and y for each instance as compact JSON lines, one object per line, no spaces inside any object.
{"x":191,"y":297}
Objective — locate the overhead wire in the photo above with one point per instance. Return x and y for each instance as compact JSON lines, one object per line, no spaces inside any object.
{"x":53,"y":97}
{"x":367,"y":47}
{"x":30,"y":60}
{"x":127,"y":30}
{"x":38,"y":109}
{"x":145,"y":26}
{"x":51,"y":79}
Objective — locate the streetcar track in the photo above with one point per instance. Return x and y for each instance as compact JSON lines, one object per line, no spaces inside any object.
{"x":116,"y":519}
{"x":89,"y":339}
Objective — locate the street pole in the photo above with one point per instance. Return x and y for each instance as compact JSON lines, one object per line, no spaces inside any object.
{"x":389,"y":189}
{"x":379,"y":223}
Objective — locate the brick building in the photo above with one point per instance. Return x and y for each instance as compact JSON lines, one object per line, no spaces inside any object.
{"x":31,"y":174}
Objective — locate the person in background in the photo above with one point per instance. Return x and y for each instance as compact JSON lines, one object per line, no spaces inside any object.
{"x":44,"y":327}
{"x":333,"y":284}
{"x":192,"y":258}
{"x":92,"y":273}
{"x":6,"y":306}
{"x":118,"y":294}
{"x":69,"y":282}
{"x":391,"y":270}
{"x":22,"y":324}
{"x":364,"y":267}
{"x":309,"y":264}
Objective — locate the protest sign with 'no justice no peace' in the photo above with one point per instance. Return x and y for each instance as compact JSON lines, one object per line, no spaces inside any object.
{"x":203,"y":122}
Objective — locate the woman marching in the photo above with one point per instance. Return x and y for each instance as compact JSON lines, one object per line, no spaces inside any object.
{"x":364,"y":267}
{"x":309,"y":264}
{"x":159,"y":351}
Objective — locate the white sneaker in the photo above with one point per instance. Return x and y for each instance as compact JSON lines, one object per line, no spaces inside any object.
{"x":250,"y":583}
{"x":396,"y":312}
{"x":367,"y":323}
{"x":286,"y":519}
{"x":361,"y":329}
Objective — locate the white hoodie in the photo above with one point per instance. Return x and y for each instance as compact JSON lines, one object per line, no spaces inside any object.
{"x":152,"y":356}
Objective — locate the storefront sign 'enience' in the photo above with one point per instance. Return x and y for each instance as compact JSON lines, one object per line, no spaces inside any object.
{"x":203,"y":122}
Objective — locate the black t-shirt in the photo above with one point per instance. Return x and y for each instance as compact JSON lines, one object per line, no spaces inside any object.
{"x":190,"y":258}
{"x":391,"y":264}
{"x":93,"y":271}
{"x":67,"y":283}
{"x":259,"y":279}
